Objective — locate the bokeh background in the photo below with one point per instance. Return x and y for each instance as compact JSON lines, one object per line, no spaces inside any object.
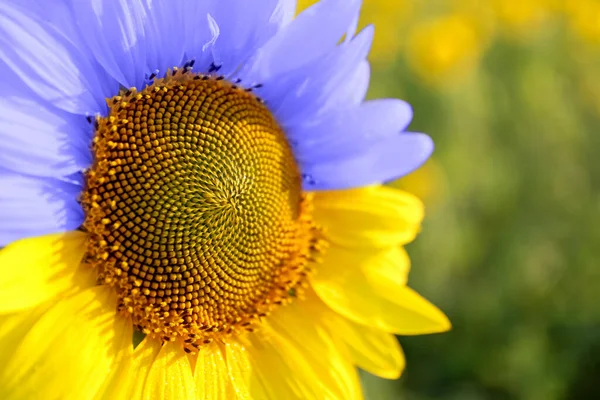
{"x":510,"y":92}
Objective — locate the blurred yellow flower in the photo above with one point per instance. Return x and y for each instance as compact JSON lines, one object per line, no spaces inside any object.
{"x":584,"y":19}
{"x":521,"y":16}
{"x":445,"y":45}
{"x":388,"y":17}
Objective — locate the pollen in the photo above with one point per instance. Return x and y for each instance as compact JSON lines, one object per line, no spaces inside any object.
{"x":195,"y":210}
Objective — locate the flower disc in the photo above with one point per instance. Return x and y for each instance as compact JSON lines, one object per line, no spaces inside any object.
{"x":195,"y":208}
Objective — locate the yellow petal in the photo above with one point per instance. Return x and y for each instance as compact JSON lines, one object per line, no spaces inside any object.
{"x":143,"y":358}
{"x":375,"y":216}
{"x":373,"y":350}
{"x":279,"y":370}
{"x":301,"y":324}
{"x":71,"y":352}
{"x":170,"y":377}
{"x":376,"y":266}
{"x":13,"y":327}
{"x":211,"y":374}
{"x":38,"y":269}
{"x":117,"y":388}
{"x":239,"y":366}
{"x":392,"y":264}
{"x":384,"y":303}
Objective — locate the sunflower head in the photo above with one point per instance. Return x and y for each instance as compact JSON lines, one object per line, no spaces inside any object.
{"x":194,"y":208}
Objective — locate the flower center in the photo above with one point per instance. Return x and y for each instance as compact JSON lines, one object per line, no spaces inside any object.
{"x":195,"y":209}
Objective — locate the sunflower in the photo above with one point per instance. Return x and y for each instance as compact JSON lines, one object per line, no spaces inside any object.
{"x":190,"y":203}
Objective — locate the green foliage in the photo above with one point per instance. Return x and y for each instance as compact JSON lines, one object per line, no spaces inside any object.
{"x":509,"y":250}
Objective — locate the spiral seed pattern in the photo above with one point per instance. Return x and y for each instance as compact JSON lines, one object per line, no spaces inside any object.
{"x":195,"y":209}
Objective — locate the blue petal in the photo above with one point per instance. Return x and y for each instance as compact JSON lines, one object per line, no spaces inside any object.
{"x":245,"y":26}
{"x":166,"y":29}
{"x":348,"y":132}
{"x":48,"y":62}
{"x":38,"y":139}
{"x":284,"y":12}
{"x":59,"y":16}
{"x":114,"y":32}
{"x":202,"y":32}
{"x":37,"y":206}
{"x":353,"y":89}
{"x":386,"y":161}
{"x":314,"y":33}
{"x":309,"y":98}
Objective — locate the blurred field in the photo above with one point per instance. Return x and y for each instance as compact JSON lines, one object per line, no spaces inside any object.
{"x":510,"y":91}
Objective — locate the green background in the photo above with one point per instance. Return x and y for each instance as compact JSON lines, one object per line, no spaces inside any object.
{"x":510,"y":243}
